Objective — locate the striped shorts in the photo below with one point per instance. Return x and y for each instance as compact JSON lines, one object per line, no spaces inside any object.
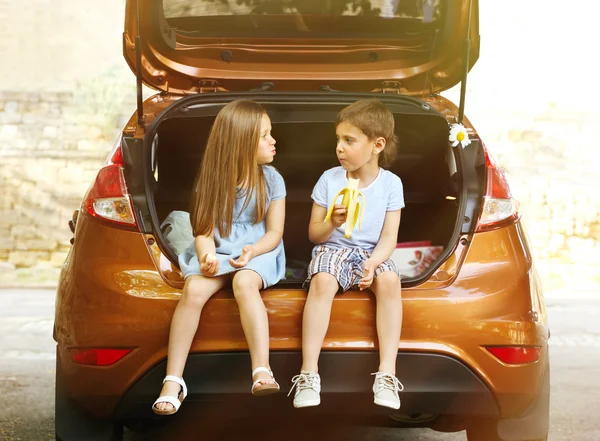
{"x":345,"y":264}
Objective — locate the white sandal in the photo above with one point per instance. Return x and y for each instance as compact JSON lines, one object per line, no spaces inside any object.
{"x":259,"y":388}
{"x":174,"y":401}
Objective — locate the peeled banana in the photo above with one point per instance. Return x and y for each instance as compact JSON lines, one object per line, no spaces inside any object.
{"x":355,"y":202}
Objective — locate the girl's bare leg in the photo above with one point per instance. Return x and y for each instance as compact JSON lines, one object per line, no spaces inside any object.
{"x":255,"y":322}
{"x":196,"y":291}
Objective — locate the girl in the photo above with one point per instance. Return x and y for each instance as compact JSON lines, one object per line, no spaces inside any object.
{"x":237,"y":218}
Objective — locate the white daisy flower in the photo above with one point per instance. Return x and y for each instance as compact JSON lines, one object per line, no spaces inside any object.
{"x":458,"y":135}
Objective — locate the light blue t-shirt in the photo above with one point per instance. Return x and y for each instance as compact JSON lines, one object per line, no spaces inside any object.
{"x":384,"y":194}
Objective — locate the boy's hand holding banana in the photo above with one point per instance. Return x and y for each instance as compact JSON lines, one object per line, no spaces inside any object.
{"x":351,"y":210}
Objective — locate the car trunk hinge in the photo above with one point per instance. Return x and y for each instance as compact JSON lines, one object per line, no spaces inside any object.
{"x":463,"y":83}
{"x":138,"y":68}
{"x":390,"y":87}
{"x":206,"y":86}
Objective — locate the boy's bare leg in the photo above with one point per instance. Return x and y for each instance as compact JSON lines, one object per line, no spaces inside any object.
{"x":255,"y":322}
{"x":315,"y":321}
{"x":387,"y":290}
{"x":184,"y":324}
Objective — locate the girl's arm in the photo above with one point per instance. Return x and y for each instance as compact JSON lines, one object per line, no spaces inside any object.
{"x":206,"y":245}
{"x":275,"y":220}
{"x":384,"y":248}
{"x":319,"y":231}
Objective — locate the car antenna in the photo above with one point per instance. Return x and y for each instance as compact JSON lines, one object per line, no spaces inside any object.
{"x":138,"y":68}
{"x":463,"y":83}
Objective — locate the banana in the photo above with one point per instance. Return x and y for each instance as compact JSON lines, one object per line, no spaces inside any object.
{"x":210,"y":258}
{"x":350,"y":200}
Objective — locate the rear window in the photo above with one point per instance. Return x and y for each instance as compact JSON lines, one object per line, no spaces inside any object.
{"x":306,"y":18}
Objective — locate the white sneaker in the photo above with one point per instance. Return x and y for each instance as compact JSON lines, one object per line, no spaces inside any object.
{"x":308,"y":389}
{"x":385,"y":390}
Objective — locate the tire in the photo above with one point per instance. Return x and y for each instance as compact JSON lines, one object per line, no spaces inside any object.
{"x":486,"y":430}
{"x":145,"y":426}
{"x":73,"y":424}
{"x":532,"y":426}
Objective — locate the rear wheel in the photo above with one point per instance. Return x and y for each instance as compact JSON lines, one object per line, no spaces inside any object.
{"x":488,"y":431}
{"x":532,"y":426}
{"x":145,"y":426}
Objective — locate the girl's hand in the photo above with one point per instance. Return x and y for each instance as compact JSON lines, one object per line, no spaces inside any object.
{"x":209,"y":265}
{"x":338,"y":216}
{"x":368,"y":274}
{"x":242,"y":261}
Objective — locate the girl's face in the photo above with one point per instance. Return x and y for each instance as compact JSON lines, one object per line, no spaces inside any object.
{"x":266,"y":143}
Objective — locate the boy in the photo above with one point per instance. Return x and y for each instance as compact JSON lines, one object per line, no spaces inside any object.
{"x":365,"y":141}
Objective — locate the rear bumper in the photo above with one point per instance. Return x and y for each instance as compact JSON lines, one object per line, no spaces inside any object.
{"x":433,"y":384}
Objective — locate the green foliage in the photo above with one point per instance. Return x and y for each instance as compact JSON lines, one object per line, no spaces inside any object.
{"x":105,"y":101}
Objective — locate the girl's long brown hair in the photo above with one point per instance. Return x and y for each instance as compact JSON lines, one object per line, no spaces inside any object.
{"x":230,"y":160}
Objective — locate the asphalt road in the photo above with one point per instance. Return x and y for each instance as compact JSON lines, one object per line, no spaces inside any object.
{"x":27,"y":381}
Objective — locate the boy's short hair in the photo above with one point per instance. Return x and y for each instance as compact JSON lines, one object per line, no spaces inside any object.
{"x":375,"y":120}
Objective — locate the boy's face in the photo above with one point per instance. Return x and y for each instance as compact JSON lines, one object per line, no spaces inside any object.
{"x":354,"y":149}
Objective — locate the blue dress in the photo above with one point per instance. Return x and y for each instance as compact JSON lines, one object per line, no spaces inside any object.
{"x":270,"y":266}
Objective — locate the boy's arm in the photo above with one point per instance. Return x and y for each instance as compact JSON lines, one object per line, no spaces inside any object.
{"x":319,"y":231}
{"x":384,"y":248}
{"x":388,"y":239}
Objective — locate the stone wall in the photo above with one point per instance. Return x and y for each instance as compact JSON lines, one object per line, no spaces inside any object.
{"x":64,"y":94}
{"x":51,"y":148}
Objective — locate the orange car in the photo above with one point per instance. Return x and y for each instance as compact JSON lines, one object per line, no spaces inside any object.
{"x":474,"y":347}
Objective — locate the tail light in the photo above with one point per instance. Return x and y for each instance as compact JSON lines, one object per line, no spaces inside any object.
{"x":499,"y":207}
{"x":107,"y":199}
{"x":516,"y":354}
{"x":99,"y":356}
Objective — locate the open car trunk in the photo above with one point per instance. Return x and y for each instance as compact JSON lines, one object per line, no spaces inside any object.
{"x":303,"y":126}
